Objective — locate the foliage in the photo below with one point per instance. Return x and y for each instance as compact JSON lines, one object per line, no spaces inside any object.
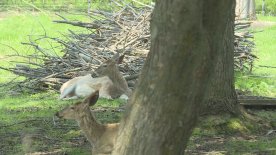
{"x":266,"y":18}
{"x":255,"y":85}
{"x":270,"y":6}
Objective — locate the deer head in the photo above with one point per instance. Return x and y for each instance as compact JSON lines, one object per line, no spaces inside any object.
{"x":109,"y":66}
{"x":75,"y":111}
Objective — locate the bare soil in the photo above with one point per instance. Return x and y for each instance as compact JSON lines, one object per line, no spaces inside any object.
{"x":262,"y":24}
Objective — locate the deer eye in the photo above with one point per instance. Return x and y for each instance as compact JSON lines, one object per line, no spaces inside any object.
{"x":72,"y":108}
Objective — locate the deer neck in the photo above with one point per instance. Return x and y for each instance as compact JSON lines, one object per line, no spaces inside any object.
{"x":92,"y":129}
{"x":116,"y":77}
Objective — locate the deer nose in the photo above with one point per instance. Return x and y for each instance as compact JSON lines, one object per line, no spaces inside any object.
{"x":95,"y":74}
{"x":57,"y":114}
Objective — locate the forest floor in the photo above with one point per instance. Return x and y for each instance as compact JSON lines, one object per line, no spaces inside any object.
{"x":28,"y":125}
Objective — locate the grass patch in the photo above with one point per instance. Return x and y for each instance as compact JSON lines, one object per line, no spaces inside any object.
{"x":254,"y":146}
{"x":261,"y":17}
{"x":265,"y":50}
{"x":16,"y":27}
{"x":27,"y":124}
{"x":262,"y":81}
{"x":255,"y":84}
{"x":224,"y":134}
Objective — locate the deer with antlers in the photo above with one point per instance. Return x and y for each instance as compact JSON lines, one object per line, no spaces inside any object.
{"x":110,"y":82}
{"x":100,"y":136}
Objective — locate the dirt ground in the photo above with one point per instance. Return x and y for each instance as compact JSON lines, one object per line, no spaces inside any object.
{"x":262,"y":24}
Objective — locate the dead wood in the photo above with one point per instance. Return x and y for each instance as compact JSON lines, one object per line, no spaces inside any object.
{"x":124,"y":30}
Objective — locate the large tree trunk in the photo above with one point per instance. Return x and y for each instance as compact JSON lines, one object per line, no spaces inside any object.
{"x":163,"y":109}
{"x":221,"y":97}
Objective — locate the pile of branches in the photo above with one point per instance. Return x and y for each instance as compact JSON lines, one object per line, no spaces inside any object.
{"x":243,"y":45}
{"x":124,"y":30}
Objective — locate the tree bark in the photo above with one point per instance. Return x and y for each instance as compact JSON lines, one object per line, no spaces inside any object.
{"x":221,"y":96}
{"x":245,"y":9}
{"x":186,"y":36}
{"x":252,"y":10}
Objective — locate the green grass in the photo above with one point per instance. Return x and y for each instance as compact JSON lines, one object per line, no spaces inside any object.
{"x":266,"y":50}
{"x":266,"y":18}
{"x":17,"y":26}
{"x":262,"y":81}
{"x":260,"y":146}
{"x":27,"y":114}
{"x":225,"y":134}
{"x":33,"y":115}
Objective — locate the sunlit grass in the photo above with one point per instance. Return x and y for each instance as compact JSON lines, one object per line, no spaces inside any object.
{"x":18,"y":27}
{"x":262,"y":81}
{"x":266,"y":18}
{"x":265,"y":50}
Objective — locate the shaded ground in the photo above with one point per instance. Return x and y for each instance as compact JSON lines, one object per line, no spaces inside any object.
{"x":217,"y":135}
{"x":48,"y":136}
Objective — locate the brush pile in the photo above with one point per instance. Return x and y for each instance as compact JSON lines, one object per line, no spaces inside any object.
{"x":123,"y":30}
{"x":243,"y":44}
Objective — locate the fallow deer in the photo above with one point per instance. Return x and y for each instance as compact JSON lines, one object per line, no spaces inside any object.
{"x":100,"y":136}
{"x":110,"y":83}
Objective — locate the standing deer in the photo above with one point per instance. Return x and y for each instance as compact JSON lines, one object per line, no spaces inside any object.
{"x":100,"y":136}
{"x":110,"y":83}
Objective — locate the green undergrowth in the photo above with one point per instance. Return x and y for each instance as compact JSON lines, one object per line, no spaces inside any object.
{"x":256,"y":84}
{"x":266,"y":18}
{"x":262,"y":80}
{"x":231,"y":135}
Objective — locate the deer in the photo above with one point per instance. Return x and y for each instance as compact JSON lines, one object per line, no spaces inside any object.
{"x":101,"y":136}
{"x":110,"y":82}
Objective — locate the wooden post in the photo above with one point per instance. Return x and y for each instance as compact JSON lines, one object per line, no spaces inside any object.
{"x":263,"y":7}
{"x":89,"y":6}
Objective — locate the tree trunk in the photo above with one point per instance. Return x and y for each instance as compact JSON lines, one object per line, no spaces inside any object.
{"x":263,"y":7}
{"x":245,"y":9}
{"x":186,"y":36}
{"x":221,"y":96}
{"x":88,"y":6}
{"x":252,"y":10}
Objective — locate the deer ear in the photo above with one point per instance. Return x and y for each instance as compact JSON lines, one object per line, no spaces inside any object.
{"x":120,"y":59}
{"x":92,"y":99}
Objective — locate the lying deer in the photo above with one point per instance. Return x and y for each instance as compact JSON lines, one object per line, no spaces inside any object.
{"x":110,"y":83}
{"x":100,"y":136}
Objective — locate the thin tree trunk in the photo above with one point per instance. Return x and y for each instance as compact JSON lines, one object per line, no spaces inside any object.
{"x":186,"y":36}
{"x":263,"y":7}
{"x":252,"y":10}
{"x":246,"y":9}
{"x":88,"y":6}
